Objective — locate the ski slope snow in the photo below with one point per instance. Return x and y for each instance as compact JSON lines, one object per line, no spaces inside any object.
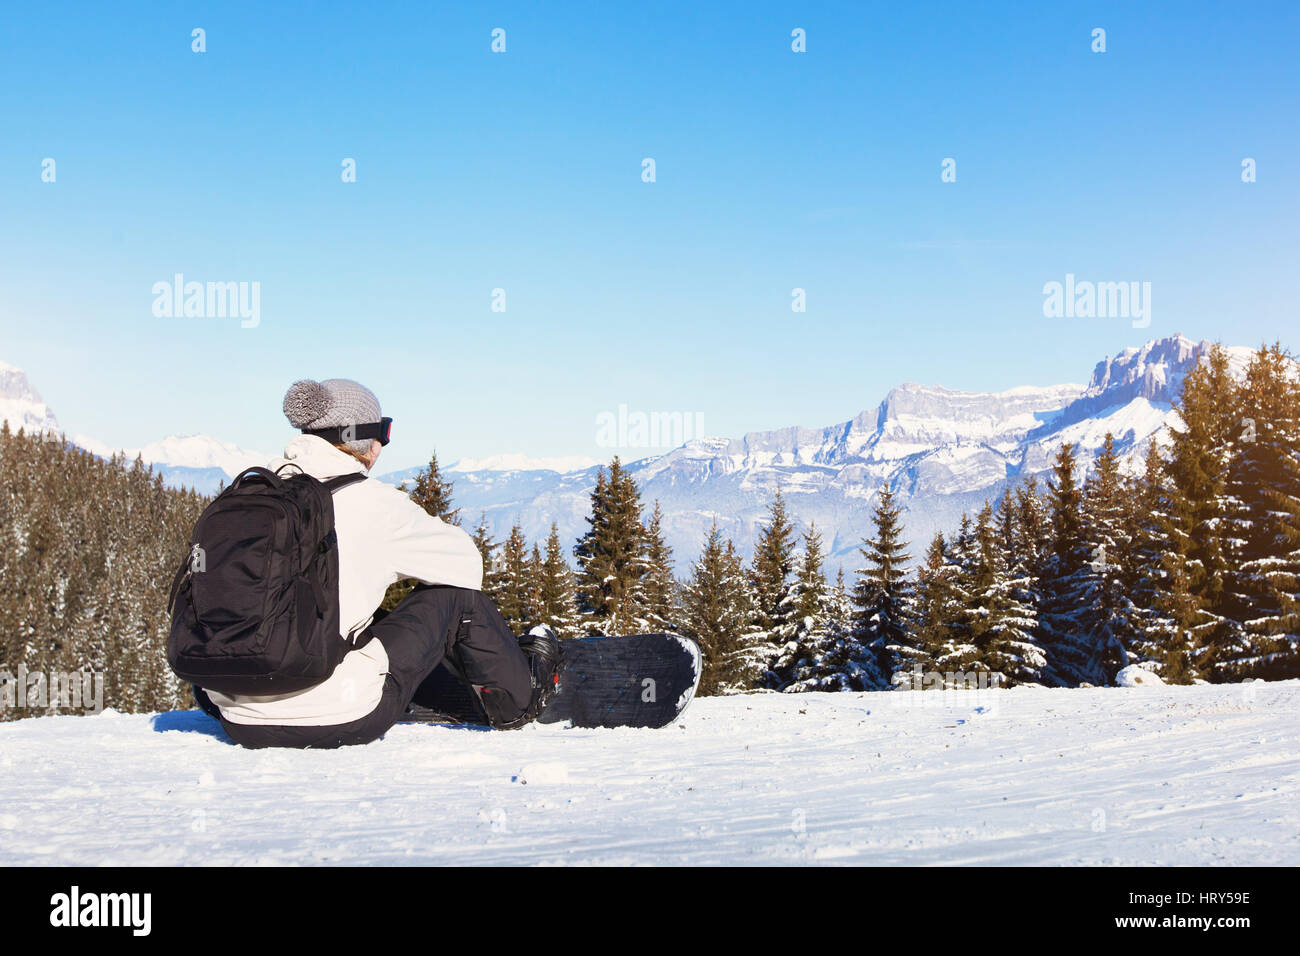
{"x":1137,"y":775}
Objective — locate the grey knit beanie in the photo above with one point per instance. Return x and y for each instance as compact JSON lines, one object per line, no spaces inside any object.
{"x":331,"y":403}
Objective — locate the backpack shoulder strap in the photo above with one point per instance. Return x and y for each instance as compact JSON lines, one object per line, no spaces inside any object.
{"x":342,"y":481}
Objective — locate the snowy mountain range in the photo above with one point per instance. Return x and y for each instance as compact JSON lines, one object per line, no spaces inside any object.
{"x":943,"y":451}
{"x":193,"y":461}
{"x":493,"y":463}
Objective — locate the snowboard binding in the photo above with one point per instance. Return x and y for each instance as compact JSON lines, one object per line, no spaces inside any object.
{"x":545,"y":655}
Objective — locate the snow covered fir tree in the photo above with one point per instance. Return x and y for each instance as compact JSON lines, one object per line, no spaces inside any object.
{"x":1184,"y":562}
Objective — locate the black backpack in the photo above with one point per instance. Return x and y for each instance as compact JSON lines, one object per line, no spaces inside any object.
{"x":255,"y":606}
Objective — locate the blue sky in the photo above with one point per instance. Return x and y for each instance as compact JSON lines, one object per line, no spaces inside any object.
{"x":522,"y":171}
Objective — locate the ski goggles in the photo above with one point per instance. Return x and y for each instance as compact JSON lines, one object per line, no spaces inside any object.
{"x":381,"y":431}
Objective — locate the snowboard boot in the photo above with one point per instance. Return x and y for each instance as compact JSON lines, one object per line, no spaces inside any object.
{"x":544,"y":656}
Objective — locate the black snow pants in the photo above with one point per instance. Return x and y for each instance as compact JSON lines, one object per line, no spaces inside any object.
{"x":440,"y":641}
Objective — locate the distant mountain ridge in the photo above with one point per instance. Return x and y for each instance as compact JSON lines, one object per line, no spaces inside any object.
{"x":944,"y":451}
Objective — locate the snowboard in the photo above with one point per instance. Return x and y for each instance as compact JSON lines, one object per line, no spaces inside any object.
{"x":639,"y":680}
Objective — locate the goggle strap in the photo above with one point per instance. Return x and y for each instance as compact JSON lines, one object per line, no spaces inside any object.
{"x":339,"y":434}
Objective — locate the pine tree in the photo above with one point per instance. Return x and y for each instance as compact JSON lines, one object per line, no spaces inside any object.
{"x":717,"y":609}
{"x":840,"y":663}
{"x":1002,"y":623}
{"x":935,"y":610}
{"x":660,"y":586}
{"x":1021,"y":547}
{"x":1278,"y":624}
{"x":612,"y":557}
{"x":1032,"y":530}
{"x":805,"y":632}
{"x":1066,"y":587}
{"x":1154,"y":640}
{"x":513,"y":589}
{"x":533,"y":574}
{"x":487,"y":549}
{"x":882,"y":594}
{"x":1262,"y":585}
{"x":773,"y":560}
{"x":554,"y":590}
{"x":1112,"y":616}
{"x":829,"y":658}
{"x":809,"y":594}
{"x":959,"y":575}
{"x":433,"y":493}
{"x":1196,"y":561}
{"x":769,"y":578}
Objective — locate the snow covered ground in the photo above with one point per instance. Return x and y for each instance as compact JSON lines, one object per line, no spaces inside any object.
{"x":1160,"y":775}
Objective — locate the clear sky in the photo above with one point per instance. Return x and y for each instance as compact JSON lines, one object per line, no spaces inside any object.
{"x":522,"y":171}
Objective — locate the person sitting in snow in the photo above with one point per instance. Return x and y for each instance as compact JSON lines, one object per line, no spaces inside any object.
{"x":445,"y":647}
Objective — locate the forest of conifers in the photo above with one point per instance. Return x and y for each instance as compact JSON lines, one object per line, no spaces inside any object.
{"x":1186,"y":564}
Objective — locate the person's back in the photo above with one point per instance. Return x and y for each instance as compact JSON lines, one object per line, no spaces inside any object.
{"x":446,"y":622}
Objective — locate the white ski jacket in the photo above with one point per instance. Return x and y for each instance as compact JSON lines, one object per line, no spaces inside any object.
{"x":382,"y":536}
